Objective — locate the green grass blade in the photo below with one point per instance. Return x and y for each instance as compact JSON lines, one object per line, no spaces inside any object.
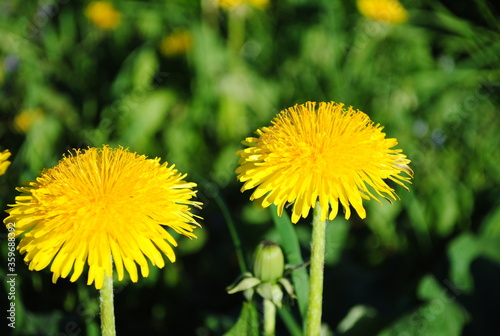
{"x":291,"y":324}
{"x":232,"y":231}
{"x":290,"y":244}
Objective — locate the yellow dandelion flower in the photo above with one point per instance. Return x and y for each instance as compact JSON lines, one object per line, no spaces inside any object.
{"x":103,"y":14}
{"x":4,"y":163}
{"x":177,"y":43}
{"x":328,"y":153}
{"x":101,"y":204}
{"x":390,"y":11}
{"x":27,"y":118}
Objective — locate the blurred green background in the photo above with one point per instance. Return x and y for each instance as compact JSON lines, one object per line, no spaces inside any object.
{"x":187,"y":81}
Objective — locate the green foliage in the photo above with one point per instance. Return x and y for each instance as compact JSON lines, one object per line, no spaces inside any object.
{"x":439,"y":315}
{"x":290,"y":244}
{"x":248,"y":322}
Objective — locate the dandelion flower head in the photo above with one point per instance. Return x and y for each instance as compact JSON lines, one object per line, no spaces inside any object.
{"x":4,"y":163}
{"x":232,"y":4}
{"x":25,"y":119}
{"x":103,"y":14}
{"x":390,"y":11}
{"x":99,"y":205}
{"x":326,"y":154}
{"x":177,"y":43}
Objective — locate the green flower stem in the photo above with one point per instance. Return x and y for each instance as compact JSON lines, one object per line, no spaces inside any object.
{"x":233,"y":232}
{"x":236,"y":33}
{"x":269,"y":318}
{"x":107,"y":308}
{"x":315,"y":303}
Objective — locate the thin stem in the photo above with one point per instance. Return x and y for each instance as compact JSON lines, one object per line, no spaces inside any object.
{"x":294,"y":329}
{"x":232,"y":231}
{"x":236,"y":32}
{"x":315,"y":303}
{"x":269,"y":318}
{"x":107,"y":307}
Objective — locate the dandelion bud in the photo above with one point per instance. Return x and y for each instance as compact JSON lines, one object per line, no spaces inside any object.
{"x":269,"y":262}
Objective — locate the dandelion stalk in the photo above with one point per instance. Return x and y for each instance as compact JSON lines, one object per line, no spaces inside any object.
{"x":313,"y":319}
{"x":269,"y":318}
{"x":107,"y":307}
{"x":236,"y":32}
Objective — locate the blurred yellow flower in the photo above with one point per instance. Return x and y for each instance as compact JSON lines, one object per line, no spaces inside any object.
{"x":102,"y":204}
{"x":390,"y":11}
{"x":4,"y":163}
{"x":177,"y":43}
{"x":26,"y":118}
{"x":231,"y":4}
{"x":328,"y":153}
{"x":103,"y":14}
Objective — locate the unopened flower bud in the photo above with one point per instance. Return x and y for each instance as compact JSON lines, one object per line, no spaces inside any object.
{"x":269,"y":262}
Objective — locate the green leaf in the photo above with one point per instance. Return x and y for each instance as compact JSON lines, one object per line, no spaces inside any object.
{"x":189,"y":246}
{"x":291,"y":247}
{"x":381,"y":221}
{"x":144,"y":68}
{"x":462,"y":251}
{"x":491,"y":225}
{"x":448,"y":206}
{"x":143,"y":115}
{"x":439,"y":315}
{"x":247,"y":324}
